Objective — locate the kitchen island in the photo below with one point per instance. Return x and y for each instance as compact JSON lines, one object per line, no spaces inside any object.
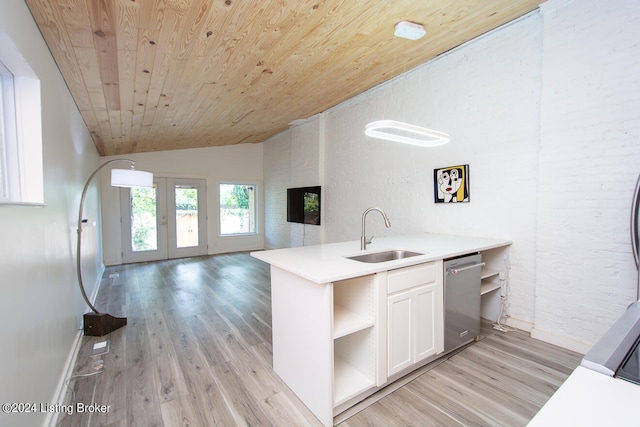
{"x":343,"y":329}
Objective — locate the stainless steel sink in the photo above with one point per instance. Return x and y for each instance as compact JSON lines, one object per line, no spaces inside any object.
{"x":384,"y":256}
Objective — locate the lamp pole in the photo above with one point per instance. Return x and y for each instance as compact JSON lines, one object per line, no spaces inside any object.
{"x":96,"y":323}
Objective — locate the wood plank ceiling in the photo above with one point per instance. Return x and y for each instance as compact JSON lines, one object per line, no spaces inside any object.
{"x":152,"y":75}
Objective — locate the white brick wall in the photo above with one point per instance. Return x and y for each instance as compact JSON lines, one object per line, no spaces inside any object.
{"x":589,"y":162}
{"x":277,"y":171}
{"x":306,"y":172}
{"x":292,"y":159}
{"x":486,"y":95}
{"x":546,"y":112}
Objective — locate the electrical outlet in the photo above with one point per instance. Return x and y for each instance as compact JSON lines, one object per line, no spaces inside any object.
{"x":114,"y":275}
{"x":100,"y":347}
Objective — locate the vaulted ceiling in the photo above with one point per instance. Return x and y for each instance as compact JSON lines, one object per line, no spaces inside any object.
{"x":152,"y":75}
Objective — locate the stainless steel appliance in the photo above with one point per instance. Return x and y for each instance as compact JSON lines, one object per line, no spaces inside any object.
{"x":617,"y":353}
{"x":461,"y":300}
{"x":635,"y":230}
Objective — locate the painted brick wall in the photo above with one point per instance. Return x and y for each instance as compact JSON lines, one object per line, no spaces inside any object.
{"x":306,"y":168}
{"x":292,"y":159}
{"x":277,"y":172}
{"x":486,"y":95}
{"x":546,"y":112}
{"x":589,"y":163}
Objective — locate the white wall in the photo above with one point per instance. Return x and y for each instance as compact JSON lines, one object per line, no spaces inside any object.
{"x":289,"y":165}
{"x":545,"y":111}
{"x":277,"y":172}
{"x":547,"y":100}
{"x":589,"y":163}
{"x":40,"y":304}
{"x":232,"y":163}
{"x":486,"y":95}
{"x":470,"y":94}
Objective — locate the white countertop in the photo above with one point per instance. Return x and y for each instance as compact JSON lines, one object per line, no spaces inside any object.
{"x":588,"y":398}
{"x":327,"y":263}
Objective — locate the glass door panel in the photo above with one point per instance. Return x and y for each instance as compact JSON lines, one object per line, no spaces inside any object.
{"x":144,"y":219}
{"x":149,"y":233}
{"x":186,"y":216}
{"x":188,"y":220}
{"x":144,"y":222}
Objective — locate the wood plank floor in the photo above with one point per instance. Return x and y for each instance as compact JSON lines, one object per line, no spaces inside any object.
{"x":197,"y":352}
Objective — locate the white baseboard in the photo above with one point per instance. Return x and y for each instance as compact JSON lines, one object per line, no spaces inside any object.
{"x":550,"y":337}
{"x":51,"y":419}
{"x":561,"y":341}
{"x":523,"y":325}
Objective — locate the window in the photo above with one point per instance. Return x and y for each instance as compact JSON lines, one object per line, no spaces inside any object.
{"x":21,"y":172}
{"x":8,"y":137}
{"x":237,"y":209}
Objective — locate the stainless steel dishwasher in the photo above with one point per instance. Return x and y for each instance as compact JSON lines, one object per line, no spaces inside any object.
{"x":461,"y":300}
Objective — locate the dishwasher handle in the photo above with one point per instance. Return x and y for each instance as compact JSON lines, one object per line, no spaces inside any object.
{"x":468,"y":267}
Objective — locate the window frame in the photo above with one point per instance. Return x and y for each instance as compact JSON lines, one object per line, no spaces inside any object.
{"x":9,"y":176}
{"x":24,"y":166}
{"x":255,"y":208}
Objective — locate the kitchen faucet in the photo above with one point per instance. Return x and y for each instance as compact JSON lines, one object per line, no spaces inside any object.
{"x":363,"y":239}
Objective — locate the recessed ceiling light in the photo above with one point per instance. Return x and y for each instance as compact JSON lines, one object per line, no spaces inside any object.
{"x":409,"y":30}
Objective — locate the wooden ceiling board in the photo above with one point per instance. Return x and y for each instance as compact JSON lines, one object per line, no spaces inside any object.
{"x":154,"y":75}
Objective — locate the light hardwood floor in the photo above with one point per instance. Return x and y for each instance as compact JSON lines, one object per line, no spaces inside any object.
{"x":197,"y":352}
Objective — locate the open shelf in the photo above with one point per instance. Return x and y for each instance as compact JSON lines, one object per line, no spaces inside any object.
{"x":346,"y":322}
{"x":489,"y":287}
{"x":353,"y":305}
{"x":354,"y":333}
{"x":494,"y":277}
{"x":349,"y":381}
{"x":488,"y":272}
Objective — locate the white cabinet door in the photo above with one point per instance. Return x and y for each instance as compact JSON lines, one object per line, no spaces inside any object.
{"x":400,"y":332}
{"x":426,"y":309}
{"x":414,"y":315}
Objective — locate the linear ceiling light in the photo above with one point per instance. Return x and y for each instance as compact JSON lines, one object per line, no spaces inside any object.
{"x":405,"y":133}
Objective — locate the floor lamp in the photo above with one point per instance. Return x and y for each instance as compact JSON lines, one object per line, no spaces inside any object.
{"x":97,"y":324}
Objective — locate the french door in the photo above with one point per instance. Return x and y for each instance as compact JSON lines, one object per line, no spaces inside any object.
{"x":165,"y":221}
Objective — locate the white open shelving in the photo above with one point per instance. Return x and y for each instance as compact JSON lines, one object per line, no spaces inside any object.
{"x":493,"y":279}
{"x":488,"y":285}
{"x":354,"y":338}
{"x":346,"y":322}
{"x":353,"y":365}
{"x":347,"y":380}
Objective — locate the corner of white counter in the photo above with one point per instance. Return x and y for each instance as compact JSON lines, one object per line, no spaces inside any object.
{"x":591,"y":399}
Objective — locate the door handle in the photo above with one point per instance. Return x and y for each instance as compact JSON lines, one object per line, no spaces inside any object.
{"x":469,"y":267}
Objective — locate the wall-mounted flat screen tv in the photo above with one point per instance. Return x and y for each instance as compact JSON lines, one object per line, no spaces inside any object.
{"x":303,"y":205}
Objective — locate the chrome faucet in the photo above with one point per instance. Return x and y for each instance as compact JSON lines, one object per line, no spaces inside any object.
{"x":363,"y":239}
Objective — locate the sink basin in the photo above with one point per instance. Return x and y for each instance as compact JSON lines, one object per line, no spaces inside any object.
{"x":384,"y":256}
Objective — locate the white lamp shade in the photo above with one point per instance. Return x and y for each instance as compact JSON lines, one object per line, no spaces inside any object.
{"x":131,"y":178}
{"x":405,"y":133}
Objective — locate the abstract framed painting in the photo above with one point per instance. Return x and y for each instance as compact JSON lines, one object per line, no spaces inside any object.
{"x":451,"y":184}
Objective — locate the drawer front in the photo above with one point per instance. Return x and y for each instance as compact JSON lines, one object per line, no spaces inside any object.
{"x":409,"y":277}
